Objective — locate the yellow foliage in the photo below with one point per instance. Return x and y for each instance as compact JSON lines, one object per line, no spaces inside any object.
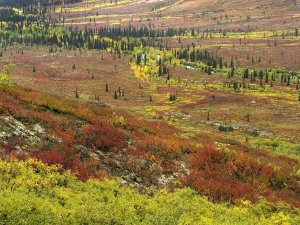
{"x":34,"y":193}
{"x":118,"y":121}
{"x":4,"y":76}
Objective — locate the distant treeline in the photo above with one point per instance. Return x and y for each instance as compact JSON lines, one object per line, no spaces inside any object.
{"x":10,"y":15}
{"x":130,"y":31}
{"x":20,"y":2}
{"x":33,"y":2}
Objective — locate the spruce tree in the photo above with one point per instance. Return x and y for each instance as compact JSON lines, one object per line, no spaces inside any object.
{"x":76,"y":93}
{"x":208,"y":116}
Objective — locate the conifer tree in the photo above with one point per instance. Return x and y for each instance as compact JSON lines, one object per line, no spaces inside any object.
{"x":76,"y":93}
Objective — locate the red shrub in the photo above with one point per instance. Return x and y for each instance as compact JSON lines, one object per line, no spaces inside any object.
{"x":222,"y":176}
{"x":67,"y":135}
{"x":104,"y":137}
{"x":225,"y":176}
{"x":80,"y":170}
{"x":51,"y":157}
{"x":207,"y":158}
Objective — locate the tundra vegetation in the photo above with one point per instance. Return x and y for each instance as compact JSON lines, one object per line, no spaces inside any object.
{"x":149,"y":112}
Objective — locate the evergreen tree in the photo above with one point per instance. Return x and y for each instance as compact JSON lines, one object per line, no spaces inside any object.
{"x":232,"y":72}
{"x":246,"y":73}
{"x":208,"y":116}
{"x":76,"y":93}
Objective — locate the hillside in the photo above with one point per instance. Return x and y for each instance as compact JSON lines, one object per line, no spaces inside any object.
{"x":161,"y":14}
{"x":149,"y":112}
{"x":206,"y":14}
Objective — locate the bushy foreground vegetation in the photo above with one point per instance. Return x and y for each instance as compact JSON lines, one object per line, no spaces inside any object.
{"x":85,"y":138}
{"x":34,"y":193}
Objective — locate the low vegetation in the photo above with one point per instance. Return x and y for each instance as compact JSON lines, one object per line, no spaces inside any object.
{"x":32,"y":192}
{"x":149,"y":112}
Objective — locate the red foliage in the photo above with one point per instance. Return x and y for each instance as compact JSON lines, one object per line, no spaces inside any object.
{"x":51,"y":157}
{"x":67,"y":135}
{"x":219,"y":187}
{"x":135,"y":151}
{"x":207,"y":158}
{"x":155,"y":148}
{"x":224,"y":176}
{"x":79,"y":168}
{"x":104,"y":137}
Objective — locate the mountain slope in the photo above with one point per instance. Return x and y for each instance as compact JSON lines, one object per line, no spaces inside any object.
{"x":205,"y":14}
